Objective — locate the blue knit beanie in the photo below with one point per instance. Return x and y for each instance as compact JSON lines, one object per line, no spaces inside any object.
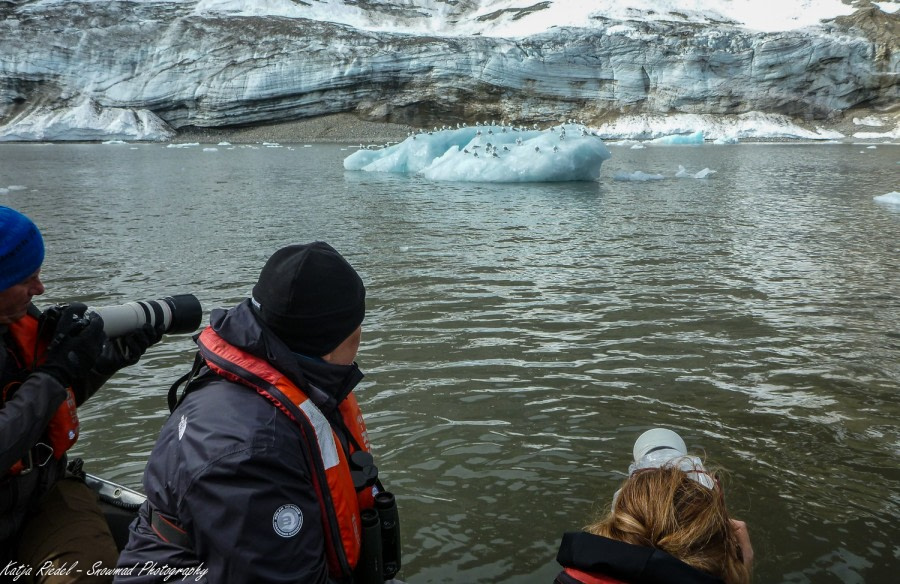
{"x":21,"y":248}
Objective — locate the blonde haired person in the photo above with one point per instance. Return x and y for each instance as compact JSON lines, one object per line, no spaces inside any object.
{"x":668,"y":523}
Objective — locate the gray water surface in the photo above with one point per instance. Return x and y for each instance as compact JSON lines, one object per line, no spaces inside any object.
{"x":520,"y":337}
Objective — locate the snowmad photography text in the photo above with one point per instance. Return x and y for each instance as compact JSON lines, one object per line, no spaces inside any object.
{"x":16,"y":570}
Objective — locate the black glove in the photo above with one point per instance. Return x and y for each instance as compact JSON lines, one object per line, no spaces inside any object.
{"x":127,"y":349}
{"x":75,"y":345}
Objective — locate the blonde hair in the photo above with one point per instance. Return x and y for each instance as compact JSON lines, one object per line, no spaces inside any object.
{"x":665,"y":509}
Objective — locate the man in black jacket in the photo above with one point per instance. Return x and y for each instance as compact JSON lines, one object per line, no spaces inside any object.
{"x":49,"y":364}
{"x":254,"y":477}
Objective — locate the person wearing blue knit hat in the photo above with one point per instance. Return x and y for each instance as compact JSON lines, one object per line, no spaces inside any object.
{"x":50,"y":363}
{"x":21,"y":256}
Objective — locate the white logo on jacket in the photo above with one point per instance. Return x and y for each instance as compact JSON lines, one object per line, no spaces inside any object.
{"x":182,"y":424}
{"x":288,"y":520}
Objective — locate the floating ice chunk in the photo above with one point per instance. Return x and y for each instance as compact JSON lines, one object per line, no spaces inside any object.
{"x":224,"y":143}
{"x":491,"y":153}
{"x":113,"y":142}
{"x":15,"y":188}
{"x":683,"y":173}
{"x":695,"y":138}
{"x":210,"y":149}
{"x":638,"y":146}
{"x":892,"y":198}
{"x":726,"y":140}
{"x":183,"y":145}
{"x":637,"y":176}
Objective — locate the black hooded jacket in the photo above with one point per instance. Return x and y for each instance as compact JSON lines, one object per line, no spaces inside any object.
{"x":226,"y":462}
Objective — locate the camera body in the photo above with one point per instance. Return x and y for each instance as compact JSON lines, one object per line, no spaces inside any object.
{"x":664,"y":448}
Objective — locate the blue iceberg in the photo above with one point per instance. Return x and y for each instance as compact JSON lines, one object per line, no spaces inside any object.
{"x":491,"y":153}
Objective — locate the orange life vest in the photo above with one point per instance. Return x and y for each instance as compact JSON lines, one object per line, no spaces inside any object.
{"x":590,"y":578}
{"x":338,"y":498}
{"x":62,"y":431}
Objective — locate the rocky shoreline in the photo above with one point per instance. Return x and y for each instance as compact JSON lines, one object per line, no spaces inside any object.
{"x":336,"y":128}
{"x":346,"y":128}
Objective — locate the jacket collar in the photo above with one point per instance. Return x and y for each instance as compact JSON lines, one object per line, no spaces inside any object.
{"x":324,"y":383}
{"x":632,"y":563}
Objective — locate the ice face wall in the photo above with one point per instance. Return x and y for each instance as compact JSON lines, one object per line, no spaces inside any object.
{"x":144,"y":69}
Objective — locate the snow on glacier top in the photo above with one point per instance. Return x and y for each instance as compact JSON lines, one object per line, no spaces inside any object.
{"x":518,"y":18}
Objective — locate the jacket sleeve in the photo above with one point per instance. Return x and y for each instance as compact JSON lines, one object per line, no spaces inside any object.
{"x":25,"y":416}
{"x":253,"y":516}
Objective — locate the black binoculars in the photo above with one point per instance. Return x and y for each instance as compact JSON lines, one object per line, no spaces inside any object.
{"x":379,"y":559}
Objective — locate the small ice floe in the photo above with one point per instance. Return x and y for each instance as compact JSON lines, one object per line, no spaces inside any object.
{"x":892,"y":198}
{"x":637,"y":176}
{"x":678,"y":139}
{"x":871,"y":147}
{"x":113,"y":142}
{"x":271,"y":144}
{"x":683,"y":173}
{"x":184,"y":145}
{"x":404,"y":248}
{"x":726,"y":140}
{"x":15,"y":188}
{"x":310,"y":146}
{"x":210,"y":149}
{"x":223,"y":143}
{"x":638,"y":146}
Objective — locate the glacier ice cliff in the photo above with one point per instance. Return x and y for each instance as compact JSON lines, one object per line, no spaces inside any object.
{"x":144,"y":69}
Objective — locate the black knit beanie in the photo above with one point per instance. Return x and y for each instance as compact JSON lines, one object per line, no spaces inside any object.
{"x":311,"y":297}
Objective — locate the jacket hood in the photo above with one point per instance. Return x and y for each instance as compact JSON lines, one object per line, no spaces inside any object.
{"x":325,"y":384}
{"x":632,"y":563}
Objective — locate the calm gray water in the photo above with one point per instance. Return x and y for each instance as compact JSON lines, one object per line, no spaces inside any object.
{"x":520,"y":337}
